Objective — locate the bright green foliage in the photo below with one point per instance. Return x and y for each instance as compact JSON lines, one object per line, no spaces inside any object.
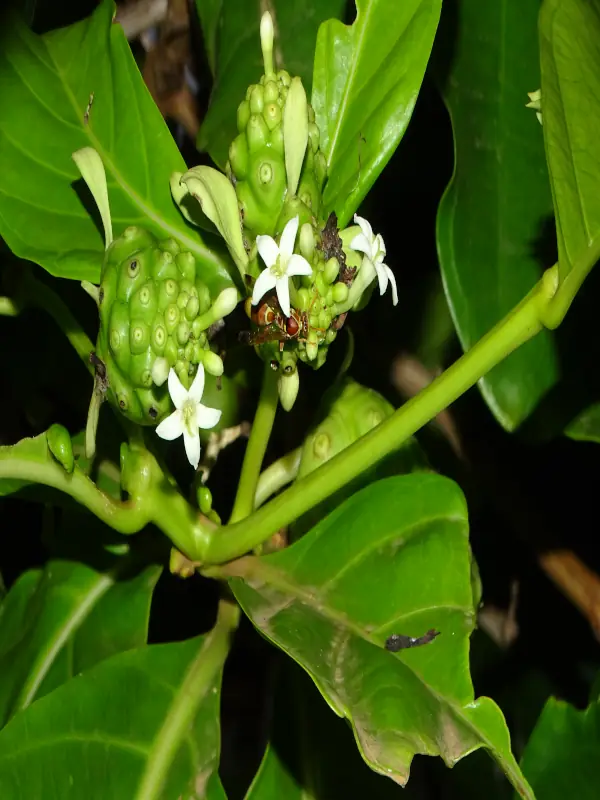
{"x":153,"y":305}
{"x":366,"y":81}
{"x":65,"y":618}
{"x":143,"y":724}
{"x":75,"y":87}
{"x":495,"y":208}
{"x":561,"y":757}
{"x":394,"y":558}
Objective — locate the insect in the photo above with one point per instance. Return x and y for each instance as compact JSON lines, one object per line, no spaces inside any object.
{"x":271,"y":324}
{"x":86,"y":115}
{"x":397,"y":641}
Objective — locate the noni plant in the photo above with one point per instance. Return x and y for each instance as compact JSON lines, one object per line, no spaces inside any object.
{"x":292,"y":467}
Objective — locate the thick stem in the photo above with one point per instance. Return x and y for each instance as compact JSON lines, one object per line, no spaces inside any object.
{"x":201,"y":678}
{"x":257,"y":445}
{"x":520,"y":325}
{"x":275,"y":477}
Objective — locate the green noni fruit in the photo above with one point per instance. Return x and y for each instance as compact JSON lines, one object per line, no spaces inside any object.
{"x":154,"y":312}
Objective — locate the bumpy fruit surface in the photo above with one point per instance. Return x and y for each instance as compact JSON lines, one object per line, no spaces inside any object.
{"x":257,"y":161}
{"x":151,"y":305}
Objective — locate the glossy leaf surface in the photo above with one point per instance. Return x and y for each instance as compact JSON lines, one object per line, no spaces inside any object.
{"x":143,"y":724}
{"x":570,"y":61}
{"x":231,"y":30}
{"x":48,"y":83}
{"x":492,"y":216}
{"x":366,"y":80}
{"x":561,"y":757}
{"x":393,"y":559}
{"x":59,"y":621}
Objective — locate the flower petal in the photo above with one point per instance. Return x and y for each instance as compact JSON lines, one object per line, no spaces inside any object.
{"x":177,"y":390}
{"x":288,"y":239}
{"x":392,"y":278}
{"x":197,"y":387}
{"x":171,"y":427}
{"x":379,"y":246}
{"x":264,"y":283}
{"x":192,"y":447}
{"x":382,"y":277}
{"x":362,"y":244}
{"x":207,"y":417}
{"x":365,"y":227}
{"x":283,"y":294}
{"x":298,"y":265}
{"x":267,"y":247}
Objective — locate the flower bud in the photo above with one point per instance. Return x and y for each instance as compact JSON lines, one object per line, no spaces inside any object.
{"x":307,"y":241}
{"x":61,"y":447}
{"x":288,"y":386}
{"x":213,"y":363}
{"x":160,"y":371}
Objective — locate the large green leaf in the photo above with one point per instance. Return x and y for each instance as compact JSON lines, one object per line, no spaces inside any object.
{"x":56,"y":622}
{"x":47,"y":83}
{"x":561,"y":757}
{"x":141,"y":725}
{"x":307,"y":745}
{"x":492,"y":213}
{"x":231,"y":31}
{"x":365,"y":85}
{"x":393,"y":559}
{"x":570,"y":61}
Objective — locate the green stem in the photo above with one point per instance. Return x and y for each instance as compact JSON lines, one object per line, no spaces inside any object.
{"x":275,"y":477}
{"x":124,"y":517}
{"x":521,"y":324}
{"x":257,"y":445}
{"x":202,"y":677}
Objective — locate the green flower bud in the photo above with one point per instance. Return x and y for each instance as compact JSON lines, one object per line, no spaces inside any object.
{"x":340,"y":293}
{"x":288,"y":386}
{"x":332,"y":270}
{"x":213,"y":363}
{"x":313,"y":135}
{"x":204,"y":498}
{"x":61,"y":447}
{"x":330,"y":336}
{"x":183,"y":333}
{"x":321,"y":284}
{"x":192,"y":308}
{"x":266,"y":42}
{"x":303,"y":299}
{"x":307,"y":241}
{"x":295,"y":133}
{"x":182,"y":300}
{"x":312,"y":344}
{"x":186,"y":264}
{"x":284,"y":77}
{"x":171,"y":351}
{"x":160,"y":371}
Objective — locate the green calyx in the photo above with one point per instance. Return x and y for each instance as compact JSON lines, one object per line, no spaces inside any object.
{"x":155,"y":312}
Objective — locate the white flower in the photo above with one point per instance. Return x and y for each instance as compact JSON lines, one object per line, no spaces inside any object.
{"x":374,"y":249}
{"x":281,"y":263}
{"x":189,"y":415}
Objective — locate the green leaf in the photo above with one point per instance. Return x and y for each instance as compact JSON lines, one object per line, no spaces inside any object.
{"x":570,"y":63}
{"x":494,"y":208}
{"x":47,"y":82}
{"x":143,"y":724}
{"x":233,"y":45}
{"x":586,"y":426}
{"x":306,"y":747}
{"x":561,"y":757}
{"x":366,"y":81}
{"x":394,"y":559}
{"x":56,"y":622}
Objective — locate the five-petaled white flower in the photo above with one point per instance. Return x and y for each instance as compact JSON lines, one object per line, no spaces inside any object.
{"x":373,"y":248}
{"x":281,"y":263}
{"x":189,"y":415}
